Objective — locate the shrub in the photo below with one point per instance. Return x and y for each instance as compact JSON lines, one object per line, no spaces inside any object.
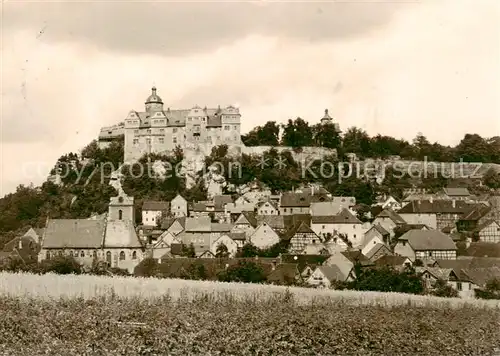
{"x":61,"y":265}
{"x":443,"y":289}
{"x":244,"y":271}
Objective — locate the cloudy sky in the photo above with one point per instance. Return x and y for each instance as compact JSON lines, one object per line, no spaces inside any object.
{"x":396,"y":68}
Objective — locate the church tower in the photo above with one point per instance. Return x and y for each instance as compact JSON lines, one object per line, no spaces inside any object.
{"x":153,"y":102}
{"x":121,"y":208}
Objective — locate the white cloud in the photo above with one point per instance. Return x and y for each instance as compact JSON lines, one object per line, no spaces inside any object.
{"x":434,"y":70}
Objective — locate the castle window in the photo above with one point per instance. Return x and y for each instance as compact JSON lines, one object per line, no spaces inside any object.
{"x":227,"y":127}
{"x":162,"y":130}
{"x":136,"y":141}
{"x":174,"y":130}
{"x":149,"y":131}
{"x":175,"y":140}
{"x":122,"y":256}
{"x":134,"y":255}
{"x":162,"y":140}
{"x":235,"y":127}
{"x":82,"y":254}
{"x":148,"y":141}
{"x":120,"y":214}
{"x":136,"y":132}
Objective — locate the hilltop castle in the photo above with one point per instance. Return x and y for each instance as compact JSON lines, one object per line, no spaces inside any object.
{"x":157,"y":130}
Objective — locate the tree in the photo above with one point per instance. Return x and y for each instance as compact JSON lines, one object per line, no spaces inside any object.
{"x":473,"y":148}
{"x":222,"y":251}
{"x":267,"y":135}
{"x":443,"y":289}
{"x":326,"y":135}
{"x":148,"y":267}
{"x":356,"y":141}
{"x":243,"y":271}
{"x":491,"y":179}
{"x":188,"y":251}
{"x":297,"y":134}
{"x":248,"y":250}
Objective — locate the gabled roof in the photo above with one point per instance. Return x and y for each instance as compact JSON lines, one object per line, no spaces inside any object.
{"x":483,"y":249}
{"x":325,"y":208}
{"x":476,"y":212}
{"x":270,"y":202}
{"x":333,"y":273}
{"x":486,"y":224}
{"x":74,"y":233}
{"x":284,"y":272}
{"x":391,"y":260}
{"x":376,"y":249}
{"x":355,"y":256}
{"x":481,"y":276}
{"x":200,"y":224}
{"x":435,"y":207}
{"x":237,"y":236}
{"x":456,"y":192}
{"x":198,"y":207}
{"x":274,"y":221}
{"x":247,"y":217}
{"x":218,"y":227}
{"x":427,"y":240}
{"x":467,"y":262}
{"x":155,"y":205}
{"x":437,"y":272}
{"x":343,"y":217}
{"x":379,"y":228}
{"x":389,"y":213}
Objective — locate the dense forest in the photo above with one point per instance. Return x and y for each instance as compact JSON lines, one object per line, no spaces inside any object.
{"x":85,"y":189}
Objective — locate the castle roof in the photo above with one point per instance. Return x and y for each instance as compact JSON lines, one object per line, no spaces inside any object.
{"x":153,"y":98}
{"x":326,"y":117}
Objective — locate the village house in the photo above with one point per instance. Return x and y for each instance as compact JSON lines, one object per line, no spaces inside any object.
{"x":389,"y":220}
{"x":326,"y":276}
{"x":228,"y":242}
{"x":264,"y":236}
{"x":377,"y":251}
{"x":396,"y":262}
{"x":268,"y":208}
{"x":153,"y":212}
{"x":457,"y":193}
{"x":477,"y":215}
{"x":163,"y":245}
{"x":23,"y":248}
{"x":426,"y":244}
{"x":377,"y":231}
{"x":276,"y":222}
{"x":245,"y":223}
{"x":489,"y":231}
{"x":388,"y":202}
{"x":437,"y":214}
{"x":199,"y":209}
{"x":301,"y":236}
{"x":179,"y":207}
{"x":174,"y":225}
{"x":299,"y":201}
{"x":343,"y":223}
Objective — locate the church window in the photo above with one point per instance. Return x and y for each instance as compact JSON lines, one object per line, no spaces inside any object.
{"x":120,"y":214}
{"x":134,"y":255}
{"x":122,"y":256}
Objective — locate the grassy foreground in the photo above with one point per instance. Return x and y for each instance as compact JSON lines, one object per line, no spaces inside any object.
{"x":87,"y":315}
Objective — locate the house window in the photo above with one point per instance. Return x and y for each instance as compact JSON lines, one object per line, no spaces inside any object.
{"x":284,"y":210}
{"x":120,"y":214}
{"x":323,"y":227}
{"x":430,"y":253}
{"x":404,"y":243}
{"x":134,"y":255}
{"x":459,"y":286}
{"x":94,"y":254}
{"x":314,"y":241}
{"x":71,"y":253}
{"x":82,"y":254}
{"x":162,"y":140}
{"x":47,"y":255}
{"x":122,"y":256}
{"x":149,"y":131}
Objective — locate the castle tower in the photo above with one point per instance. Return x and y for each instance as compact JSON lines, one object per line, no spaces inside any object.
{"x":153,"y":102}
{"x":121,"y":208}
{"x":326,"y":118}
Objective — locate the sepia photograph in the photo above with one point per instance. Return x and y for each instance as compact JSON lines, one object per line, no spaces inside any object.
{"x":262,"y":177}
